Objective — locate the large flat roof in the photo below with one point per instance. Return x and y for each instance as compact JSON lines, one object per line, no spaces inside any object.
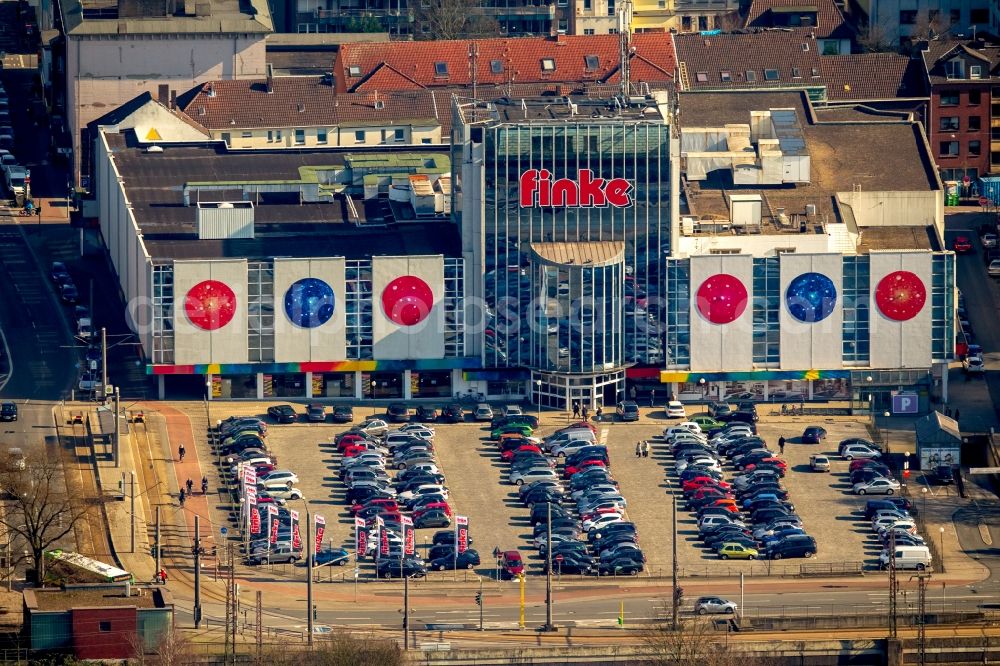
{"x":885,"y":155}
{"x":155,"y":185}
{"x":125,"y":18}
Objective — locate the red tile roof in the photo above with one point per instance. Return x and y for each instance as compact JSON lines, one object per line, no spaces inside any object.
{"x":502,"y":60}
{"x":829,"y":19}
{"x":706,"y":58}
{"x":872,"y":76}
{"x":298,"y":101}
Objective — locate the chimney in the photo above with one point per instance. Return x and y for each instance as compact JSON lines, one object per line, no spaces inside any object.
{"x":270,"y":78}
{"x":173,"y":99}
{"x":163,"y":94}
{"x":210,"y":91}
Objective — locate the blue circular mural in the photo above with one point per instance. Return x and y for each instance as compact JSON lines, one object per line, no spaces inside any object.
{"x":309,"y":303}
{"x":811,"y":297}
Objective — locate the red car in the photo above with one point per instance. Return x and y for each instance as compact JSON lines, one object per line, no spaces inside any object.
{"x":699,"y":481}
{"x":347,"y":440}
{"x":511,"y":564}
{"x":597,"y":512}
{"x":508,"y":455}
{"x":578,"y":425}
{"x":862,"y":463}
{"x":706,"y":491}
{"x":352,"y":450}
{"x":443,"y":506}
{"x":388,"y":503}
{"x":773,"y":462}
{"x":573,"y":469}
{"x":727,"y":503}
{"x":962,"y":244}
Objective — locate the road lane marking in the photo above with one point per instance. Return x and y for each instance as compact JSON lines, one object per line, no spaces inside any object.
{"x":602,"y":438}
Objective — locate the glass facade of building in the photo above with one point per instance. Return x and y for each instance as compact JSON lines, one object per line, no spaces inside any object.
{"x":857,"y":308}
{"x":943,"y":307}
{"x":766,"y":306}
{"x":634,"y":149}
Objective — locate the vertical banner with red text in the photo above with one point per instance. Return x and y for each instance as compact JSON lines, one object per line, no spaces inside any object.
{"x":296,"y":539}
{"x":320,"y":528}
{"x":461,"y":533}
{"x":409,"y":542}
{"x":360,"y":537}
{"x":272,"y":524}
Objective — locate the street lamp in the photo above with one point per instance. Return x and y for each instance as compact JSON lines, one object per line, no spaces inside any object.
{"x":886,"y":415}
{"x":923,"y":501}
{"x":538,"y":397}
{"x":940,"y":546}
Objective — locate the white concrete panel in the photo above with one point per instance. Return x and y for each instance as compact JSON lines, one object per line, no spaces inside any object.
{"x":227,"y":344}
{"x":717,"y":347}
{"x":425,"y":339}
{"x":818,"y":345}
{"x":325,"y":342}
{"x":900,"y":344}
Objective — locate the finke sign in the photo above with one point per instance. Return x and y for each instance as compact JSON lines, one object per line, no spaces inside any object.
{"x":538,"y":189}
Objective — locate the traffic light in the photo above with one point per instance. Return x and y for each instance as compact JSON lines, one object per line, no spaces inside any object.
{"x":678,"y":595}
{"x":479,"y":598}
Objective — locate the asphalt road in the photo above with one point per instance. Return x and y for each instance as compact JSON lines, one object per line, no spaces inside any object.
{"x":40,"y":364}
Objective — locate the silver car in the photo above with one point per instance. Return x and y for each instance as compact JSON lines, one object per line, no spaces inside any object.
{"x":715,"y":606}
{"x":483,"y":412}
{"x":519,"y":478}
{"x":878,"y":486}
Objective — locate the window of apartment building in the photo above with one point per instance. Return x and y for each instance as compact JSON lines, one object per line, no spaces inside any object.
{"x":954,"y":16}
{"x":751,"y":76}
{"x":726,"y":76}
{"x":246,"y":135}
{"x":425,"y":141}
{"x":974,"y":97}
{"x":354,"y":70}
{"x":949,"y":99}
{"x":588,"y":31}
{"x":563,"y":3}
{"x":359,"y":136}
{"x":771,"y":75}
{"x":277,"y":135}
{"x":814,"y":72}
{"x":321,"y":136}
{"x":399,"y":135}
{"x":588,"y":5}
{"x":592,"y":62}
{"x":300,"y":137}
{"x":949,"y":149}
{"x":955,"y":69}
{"x":685,"y":24}
{"x":104,"y":625}
{"x":496,"y":66}
{"x":975,"y":123}
{"x":979,"y":16}
{"x":661,"y":4}
{"x":270,"y":136}
{"x":975,"y":148}
{"x":701,"y":77}
{"x":611,"y":10}
{"x":908,"y":17}
{"x":949,"y":123}
{"x":563,"y":26}
{"x":831,"y":47}
{"x":796,"y":73}
{"x":548,"y":65}
{"x":226,"y":137}
{"x":976,"y":72}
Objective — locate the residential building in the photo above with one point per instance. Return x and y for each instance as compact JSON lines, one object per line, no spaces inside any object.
{"x":823,"y":17}
{"x":781,"y":207}
{"x":97,"y":622}
{"x":684,"y":15}
{"x":594,"y":17}
{"x":310,"y":54}
{"x":898,"y":22}
{"x":116,"y":52}
{"x":963,"y":114}
{"x":556,"y":61}
{"x":305,"y":112}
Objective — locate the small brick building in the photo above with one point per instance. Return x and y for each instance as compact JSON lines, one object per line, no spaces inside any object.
{"x":97,"y":621}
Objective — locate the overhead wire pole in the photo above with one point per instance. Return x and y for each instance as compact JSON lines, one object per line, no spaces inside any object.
{"x":259,"y":612}
{"x":117,"y":439}
{"x":156,"y":539}
{"x":310,"y":550}
{"x":104,"y":362}
{"x":893,"y":587}
{"x":673,"y":563}
{"x":197,"y":571}
{"x":549,"y":626}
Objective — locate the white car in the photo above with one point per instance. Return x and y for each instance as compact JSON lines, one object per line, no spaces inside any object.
{"x":250,"y":462}
{"x":483,"y":412}
{"x":690,"y":425}
{"x":904,"y":525}
{"x":282,"y":476}
{"x":974,"y":365}
{"x":519,"y":478}
{"x":374,"y":426}
{"x":683,"y":429}
{"x":281,"y":491}
{"x":988,"y":240}
{"x":422,"y":428}
{"x":425,"y":468}
{"x":569,"y":448}
{"x":701,"y":461}
{"x":395,"y":542}
{"x":602,"y":520}
{"x":365,"y":460}
{"x":675,"y":410}
{"x":426,"y":489}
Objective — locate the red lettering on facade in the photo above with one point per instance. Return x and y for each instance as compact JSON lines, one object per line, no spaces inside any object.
{"x":537,"y":189}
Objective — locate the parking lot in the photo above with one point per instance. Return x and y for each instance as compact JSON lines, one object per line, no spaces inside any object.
{"x":477,"y":481}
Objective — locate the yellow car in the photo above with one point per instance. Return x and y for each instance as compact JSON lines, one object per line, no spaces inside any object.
{"x":736,"y":551}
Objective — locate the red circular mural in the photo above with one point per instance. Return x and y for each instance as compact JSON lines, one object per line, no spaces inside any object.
{"x":407,"y":300}
{"x":210,"y":305}
{"x":900,"y":295}
{"x":721,"y":299}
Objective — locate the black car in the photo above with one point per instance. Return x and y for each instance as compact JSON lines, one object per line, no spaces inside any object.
{"x":813,"y":435}
{"x":741,"y":416}
{"x":612,"y":531}
{"x":570,"y":563}
{"x":854,"y":440}
{"x":622,"y":566}
{"x":282,"y":413}
{"x":68,"y":293}
{"x":424,"y":414}
{"x":539,"y":512}
{"x":342,"y":414}
{"x":628,"y":410}
{"x":397,"y":413}
{"x":362,"y":494}
{"x":453,"y":413}
{"x":433,"y":518}
{"x":800,"y":545}
{"x":943,"y":474}
{"x":447,"y":538}
{"x":408,"y":567}
{"x":766,"y":515}
{"x":467,"y":560}
{"x":8,"y":411}
{"x":59,"y":273}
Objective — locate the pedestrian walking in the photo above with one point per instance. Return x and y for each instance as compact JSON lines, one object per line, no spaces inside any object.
{"x":162,"y":576}
{"x":638,"y":449}
{"x":600,"y":414}
{"x":190,"y":485}
{"x":182,"y":497}
{"x":652,"y":397}
{"x":180,"y":452}
{"x":781,"y":444}
{"x":576,"y":410}
{"x":586,"y":412}
{"x":204,"y":485}
{"x":631,"y":393}
{"x":645,"y":449}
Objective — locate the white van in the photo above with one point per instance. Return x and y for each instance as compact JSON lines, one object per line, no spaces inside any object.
{"x":567,"y":436}
{"x":907,"y":557}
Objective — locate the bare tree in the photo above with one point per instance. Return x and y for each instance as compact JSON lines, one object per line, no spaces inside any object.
{"x":878,"y":38}
{"x":38,"y":507}
{"x":452,"y":19}
{"x":696,"y":643}
{"x":728,"y":22}
{"x":340,"y":650}
{"x":928,"y":27}
{"x":172,"y":649}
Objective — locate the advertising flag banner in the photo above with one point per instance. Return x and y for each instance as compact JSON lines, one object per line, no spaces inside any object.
{"x":384,"y":541}
{"x":251,"y":495}
{"x":409,"y":543}
{"x":296,"y":539}
{"x":272,"y":523}
{"x":274,"y":532}
{"x":254,"y":521}
{"x":360,"y":536}
{"x":250,"y":476}
{"x":320,"y":528}
{"x":461,"y":533}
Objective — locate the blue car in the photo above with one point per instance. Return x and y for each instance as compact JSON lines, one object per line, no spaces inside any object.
{"x":332,"y":556}
{"x":780,"y":536}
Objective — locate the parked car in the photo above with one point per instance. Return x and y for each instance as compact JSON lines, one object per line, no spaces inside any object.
{"x":342,"y":414}
{"x":818,"y":463}
{"x":628,"y":410}
{"x":675,"y":410}
{"x":813,"y":435}
{"x":714,"y":606}
{"x":397,"y":412}
{"x":943,"y":474}
{"x":483,"y":412}
{"x":853,"y":451}
{"x":316,"y":412}
{"x":736,"y":551}
{"x":961,"y":244}
{"x":332,"y":556}
{"x":408,"y":567}
{"x":453,"y":413}
{"x":880,"y":486}
{"x":424,"y":414}
{"x":797,"y":545}
{"x":282,"y":413}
